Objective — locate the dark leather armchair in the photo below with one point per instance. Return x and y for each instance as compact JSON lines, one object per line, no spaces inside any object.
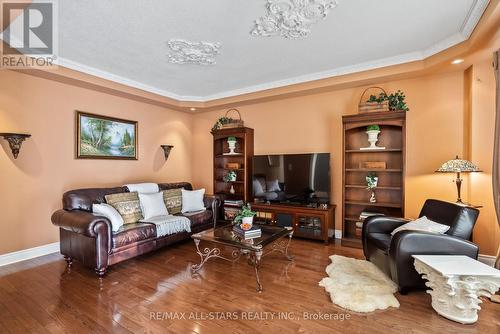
{"x":393,"y":254}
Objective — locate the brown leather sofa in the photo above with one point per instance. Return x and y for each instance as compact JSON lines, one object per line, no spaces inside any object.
{"x":393,"y":254}
{"x":89,"y":239}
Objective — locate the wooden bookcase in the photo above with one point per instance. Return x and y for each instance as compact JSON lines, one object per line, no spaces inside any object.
{"x":244,"y":157}
{"x":390,"y":192}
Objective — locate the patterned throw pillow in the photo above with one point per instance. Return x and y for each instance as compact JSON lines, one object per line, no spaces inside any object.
{"x":173,"y":200}
{"x":127,"y":204}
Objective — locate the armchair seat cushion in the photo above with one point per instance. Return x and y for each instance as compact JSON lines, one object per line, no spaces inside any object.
{"x":131,"y":233}
{"x":199,"y":218}
{"x":381,"y":240}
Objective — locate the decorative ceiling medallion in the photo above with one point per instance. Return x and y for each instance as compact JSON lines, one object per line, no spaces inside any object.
{"x":186,"y":52}
{"x":292,"y":18}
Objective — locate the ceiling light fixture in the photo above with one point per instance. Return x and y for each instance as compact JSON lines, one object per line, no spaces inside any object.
{"x":186,"y":52}
{"x":292,"y":18}
{"x":457,"y":61}
{"x":192,"y":109}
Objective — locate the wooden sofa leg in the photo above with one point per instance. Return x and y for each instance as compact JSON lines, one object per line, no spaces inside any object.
{"x":100,"y":272}
{"x":69,"y":261}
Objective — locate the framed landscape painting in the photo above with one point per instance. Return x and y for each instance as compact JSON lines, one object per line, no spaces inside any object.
{"x":102,"y":137}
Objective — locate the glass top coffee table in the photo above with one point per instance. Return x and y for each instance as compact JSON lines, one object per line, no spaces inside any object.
{"x":271,"y":240}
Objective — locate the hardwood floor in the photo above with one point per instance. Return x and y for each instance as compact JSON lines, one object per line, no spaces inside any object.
{"x":40,"y":296}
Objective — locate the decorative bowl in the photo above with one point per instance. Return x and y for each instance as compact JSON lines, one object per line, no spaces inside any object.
{"x":246,"y":226}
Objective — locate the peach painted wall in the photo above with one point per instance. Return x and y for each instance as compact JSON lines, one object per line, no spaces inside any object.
{"x":487,"y":230}
{"x":435,"y":133}
{"x":32,"y":185}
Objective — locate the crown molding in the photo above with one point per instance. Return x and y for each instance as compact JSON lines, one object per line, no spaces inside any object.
{"x":79,"y":67}
{"x":472,"y":19}
{"x":397,"y":60}
{"x":476,"y":12}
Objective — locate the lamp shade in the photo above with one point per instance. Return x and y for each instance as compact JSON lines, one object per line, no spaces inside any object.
{"x":458,"y":166}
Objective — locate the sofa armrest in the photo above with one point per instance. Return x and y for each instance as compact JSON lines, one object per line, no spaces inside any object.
{"x":382,"y":224}
{"x":82,"y":222}
{"x":404,"y":244}
{"x":212,"y":202}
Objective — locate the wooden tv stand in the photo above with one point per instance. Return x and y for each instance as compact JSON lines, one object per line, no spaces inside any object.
{"x":307,"y":222}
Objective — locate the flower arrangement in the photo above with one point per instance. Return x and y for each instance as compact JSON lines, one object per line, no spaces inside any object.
{"x":221,"y":121}
{"x":396,"y":100}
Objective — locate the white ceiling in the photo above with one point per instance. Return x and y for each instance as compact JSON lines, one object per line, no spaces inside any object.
{"x":126,"y":41}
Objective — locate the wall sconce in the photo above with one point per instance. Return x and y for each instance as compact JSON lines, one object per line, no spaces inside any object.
{"x":15,"y":141}
{"x":166,"y":150}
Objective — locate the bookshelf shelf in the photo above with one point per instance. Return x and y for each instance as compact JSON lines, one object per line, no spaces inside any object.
{"x":396,"y":150}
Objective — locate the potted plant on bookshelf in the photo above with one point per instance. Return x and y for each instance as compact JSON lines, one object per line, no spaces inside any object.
{"x":230,"y":176}
{"x":373,"y":131}
{"x":371,"y":184}
{"x":231,"y":142}
{"x":245,"y":217}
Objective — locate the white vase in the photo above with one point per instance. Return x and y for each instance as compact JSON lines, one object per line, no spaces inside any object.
{"x":247,"y":220}
{"x":232,"y":191}
{"x":232,"y":146}
{"x":373,"y":137}
{"x":372,"y":197}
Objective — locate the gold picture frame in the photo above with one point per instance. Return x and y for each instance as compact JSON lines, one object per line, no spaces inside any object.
{"x":105,"y":137}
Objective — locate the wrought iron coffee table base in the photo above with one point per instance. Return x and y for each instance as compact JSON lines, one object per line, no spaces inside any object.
{"x":253,"y":256}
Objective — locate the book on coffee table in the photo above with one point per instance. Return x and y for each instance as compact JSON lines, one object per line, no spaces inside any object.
{"x":254,"y":232}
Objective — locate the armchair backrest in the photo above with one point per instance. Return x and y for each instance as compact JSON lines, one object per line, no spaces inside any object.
{"x":461,"y":219}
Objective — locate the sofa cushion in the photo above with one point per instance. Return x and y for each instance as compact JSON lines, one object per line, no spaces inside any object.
{"x":381,"y":240}
{"x":173,"y":200}
{"x":198,"y":218}
{"x":128,"y":205}
{"x":131,"y":233}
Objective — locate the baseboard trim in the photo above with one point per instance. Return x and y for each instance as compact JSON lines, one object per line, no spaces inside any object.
{"x":487,"y":259}
{"x":27,"y":254}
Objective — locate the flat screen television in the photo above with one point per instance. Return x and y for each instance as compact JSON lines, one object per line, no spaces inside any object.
{"x":292,"y":178}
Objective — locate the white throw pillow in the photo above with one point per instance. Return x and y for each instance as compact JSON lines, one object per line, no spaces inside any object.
{"x":143,"y":188}
{"x":109,"y":212}
{"x":152,"y":205}
{"x":423,"y":224}
{"x":192,"y":200}
{"x":273,"y":186}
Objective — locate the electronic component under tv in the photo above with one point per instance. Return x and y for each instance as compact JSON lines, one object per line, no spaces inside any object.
{"x":292,"y":178}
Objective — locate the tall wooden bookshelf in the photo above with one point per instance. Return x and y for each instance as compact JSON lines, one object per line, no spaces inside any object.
{"x":243,"y":157}
{"x":390,"y":192}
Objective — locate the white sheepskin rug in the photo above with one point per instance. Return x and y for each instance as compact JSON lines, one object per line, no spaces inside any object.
{"x":358,"y":285}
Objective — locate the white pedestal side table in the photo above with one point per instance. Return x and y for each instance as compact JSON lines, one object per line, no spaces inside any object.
{"x":457,"y":282}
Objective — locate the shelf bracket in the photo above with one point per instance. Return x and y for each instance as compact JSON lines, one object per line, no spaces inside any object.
{"x":15,"y":141}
